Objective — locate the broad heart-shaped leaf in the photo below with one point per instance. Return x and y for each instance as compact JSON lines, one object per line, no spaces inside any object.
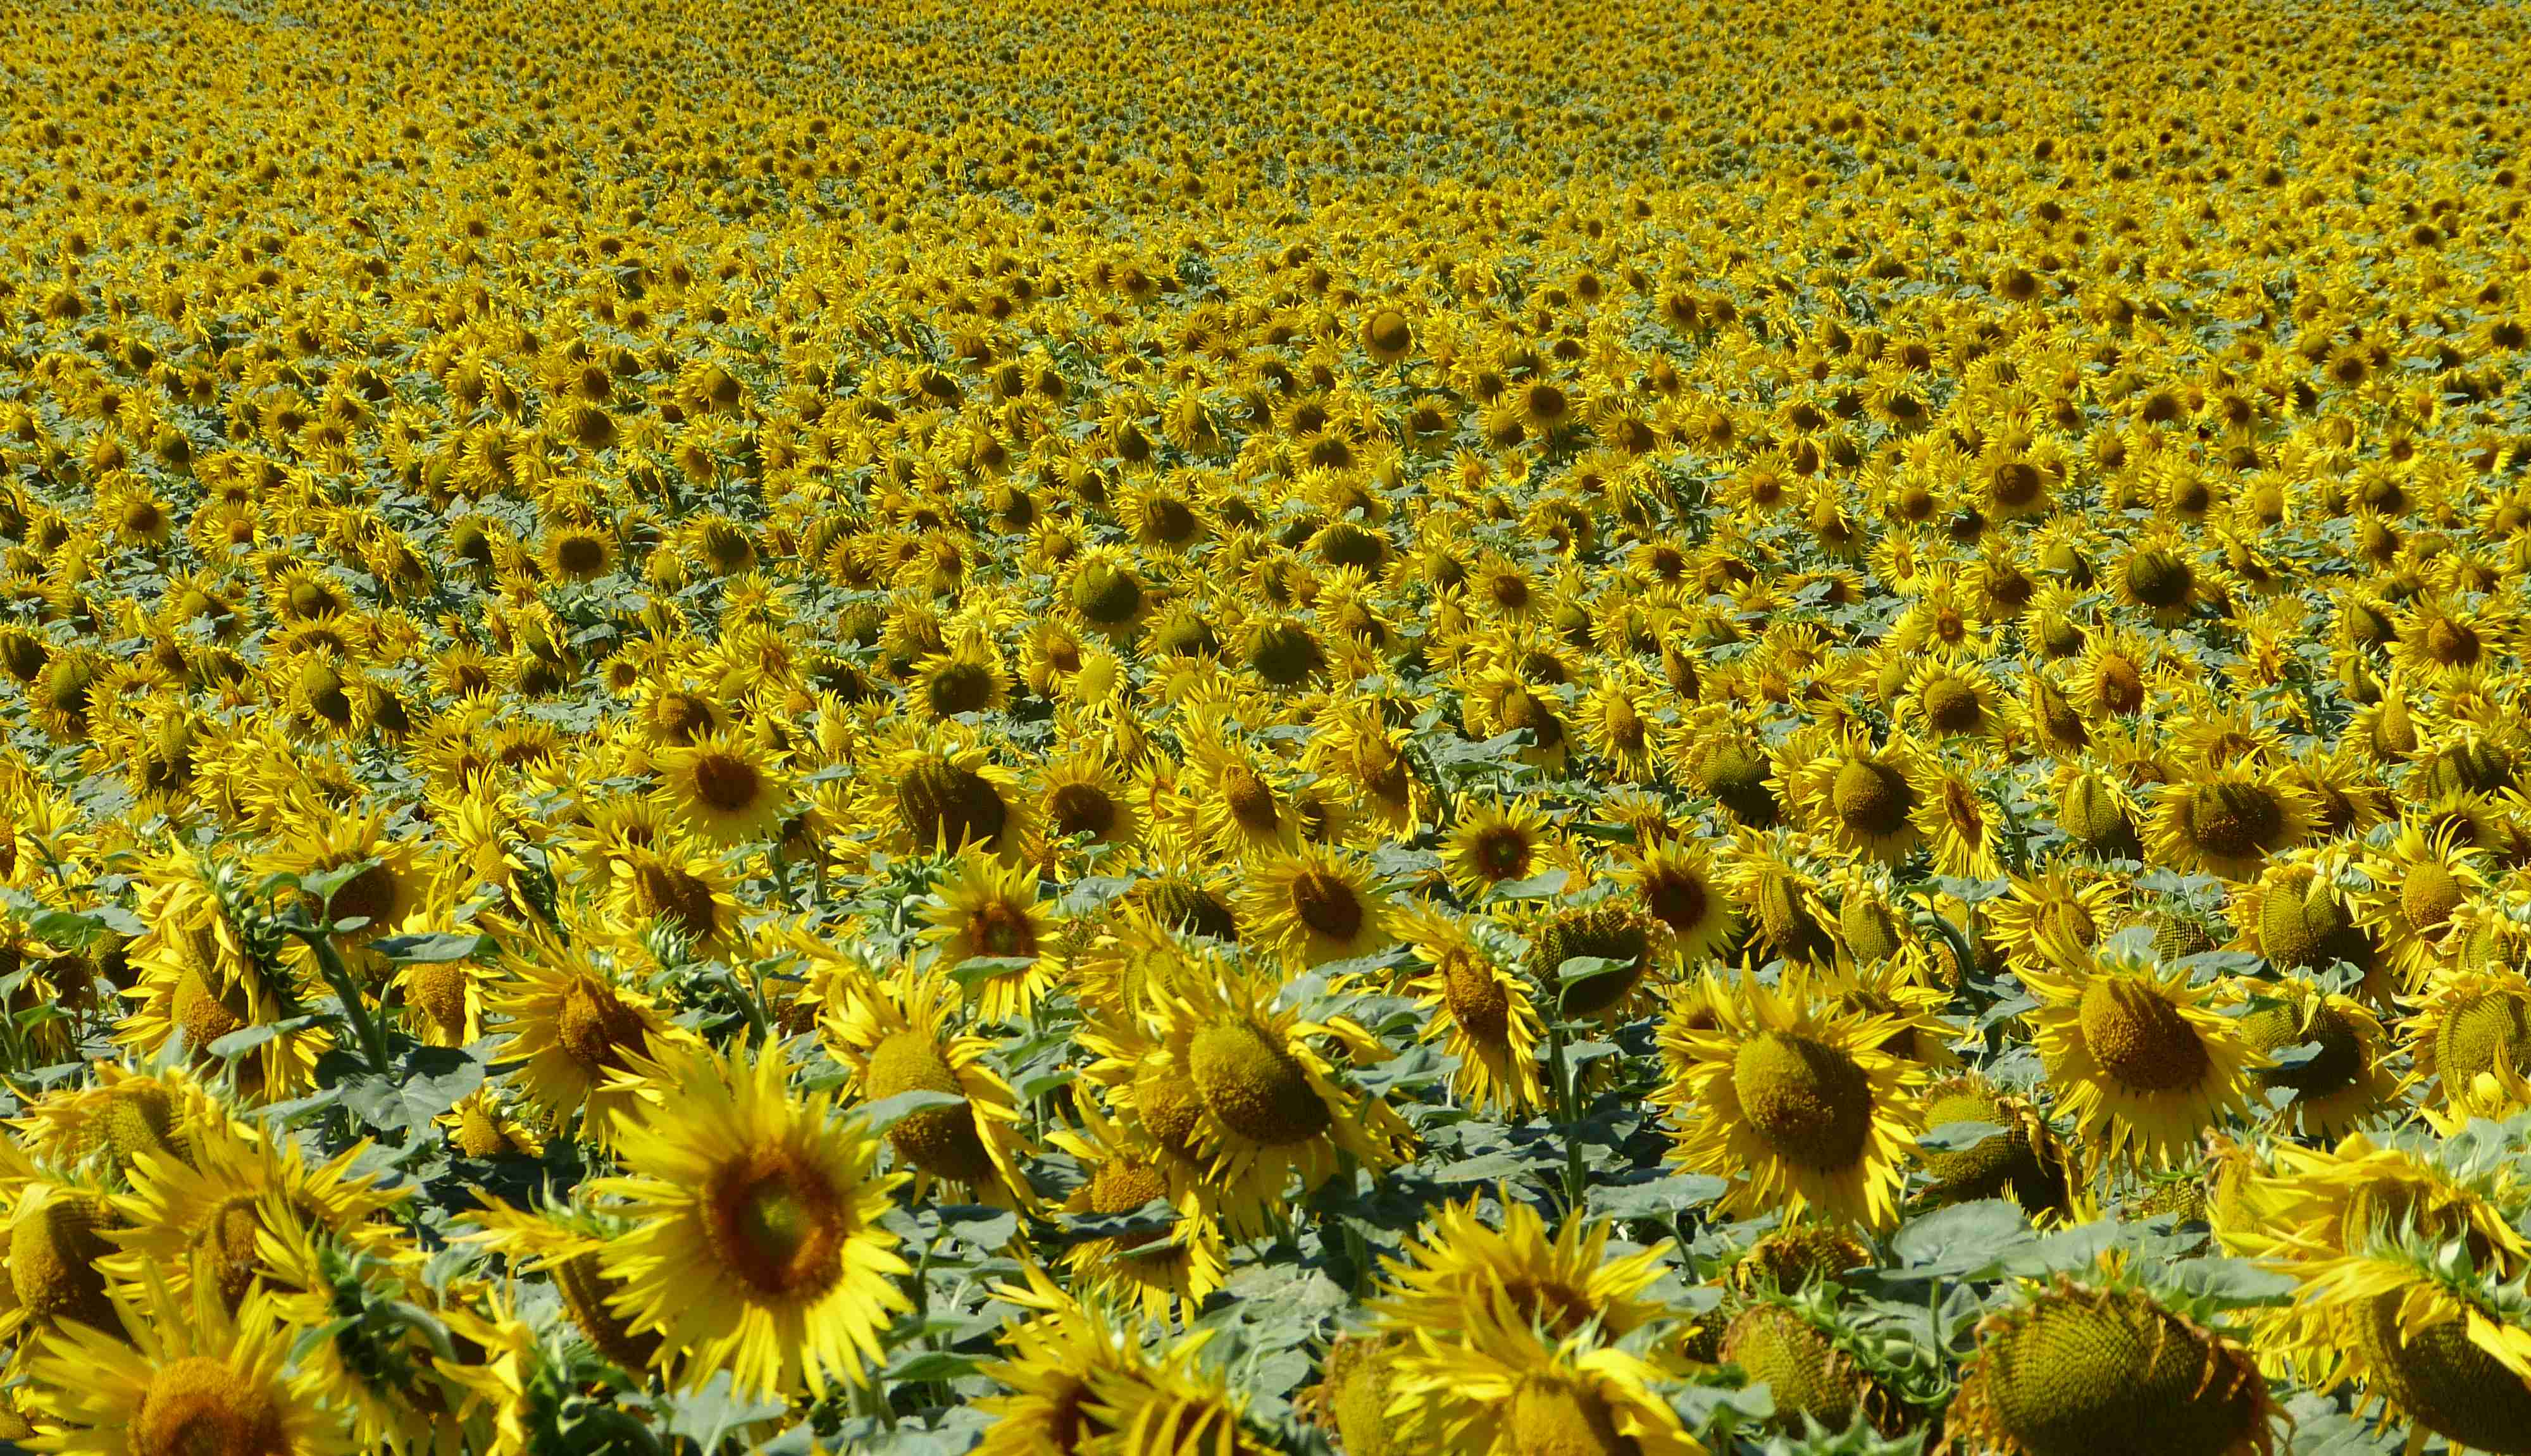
{"x":1958,"y":1137}
{"x":987,"y":1230}
{"x":710,"y":1415}
{"x":320,"y":884}
{"x":1153,"y":1217}
{"x":974,"y":970}
{"x":433,"y":1080}
{"x":1653,"y":1198}
{"x":434,"y":948}
{"x":1542,"y":885}
{"x":1495,"y":1166}
{"x":1966,"y":1241}
{"x":2233,"y":1283}
{"x":887,"y":1112}
{"x":244,"y":1039}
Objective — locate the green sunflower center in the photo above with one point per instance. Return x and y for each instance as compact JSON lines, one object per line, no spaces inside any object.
{"x":939,"y":803}
{"x":1553,"y":1416}
{"x":1871,"y":799}
{"x":2104,"y":1377}
{"x":1811,"y":1101}
{"x":1254,"y":1085}
{"x":2139,"y":1038}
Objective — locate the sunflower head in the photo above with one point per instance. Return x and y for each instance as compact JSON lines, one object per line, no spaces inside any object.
{"x":2082,"y":1372}
{"x":1606,"y":932}
{"x":1774,"y":1342}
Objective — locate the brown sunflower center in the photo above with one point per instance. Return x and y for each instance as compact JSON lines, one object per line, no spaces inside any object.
{"x":726,"y":783}
{"x":1476,"y":998}
{"x":1328,"y":906}
{"x":1251,"y":799}
{"x":2158,"y":577}
{"x":2236,"y":821}
{"x":674,"y":894}
{"x":594,"y":1028}
{"x":1500,"y":852}
{"x":1952,"y":706}
{"x":1811,"y":1101}
{"x":1256,"y":1086}
{"x":778,"y":1224}
{"x":1169,"y":1110}
{"x":1676,"y":898}
{"x":1081,"y":808}
{"x":2139,"y":1037}
{"x":939,"y":803}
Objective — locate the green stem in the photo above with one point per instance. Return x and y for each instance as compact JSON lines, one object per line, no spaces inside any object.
{"x":329,"y":964}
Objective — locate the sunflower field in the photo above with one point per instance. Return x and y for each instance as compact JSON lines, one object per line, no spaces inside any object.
{"x":1070,"y":728}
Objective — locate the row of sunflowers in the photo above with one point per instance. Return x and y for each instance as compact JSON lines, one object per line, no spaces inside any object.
{"x":1520,"y":730}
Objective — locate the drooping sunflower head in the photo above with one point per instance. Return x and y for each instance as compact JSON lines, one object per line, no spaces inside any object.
{"x":2017,"y":1157}
{"x":2085,"y":1372}
{"x":899,"y":1033}
{"x":2227,"y":821}
{"x":1607,"y":933}
{"x":1239,"y":1081}
{"x":2327,"y":1051}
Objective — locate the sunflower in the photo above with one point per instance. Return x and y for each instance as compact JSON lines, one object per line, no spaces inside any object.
{"x":2470,"y":1038}
{"x":1454,"y":1270}
{"x":1957,"y":820}
{"x":2420,"y":880}
{"x":1500,"y":1390}
{"x":2342,"y":1078}
{"x":2075,"y":1371}
{"x":1675,"y":885}
{"x":2025,"y":1162}
{"x":1053,"y":1359}
{"x":2159,"y":578}
{"x":2140,"y":1061}
{"x":1493,"y":842}
{"x":722,"y":787}
{"x":2097,"y":810}
{"x":199,"y":1213}
{"x":574,"y":1018}
{"x":987,"y":908}
{"x":941,"y":793}
{"x":1480,"y":1013}
{"x":1859,"y":796}
{"x":1791,"y":1098}
{"x":1158,"y":1271}
{"x":2425,"y":1335}
{"x":180,"y":1375}
{"x":1242,"y":798}
{"x":1234,"y":1080}
{"x":1082,"y":796}
{"x":1317,"y":904}
{"x":1954,"y":699}
{"x":2058,"y":906}
{"x":896,"y":1034}
{"x":754,"y":1245}
{"x":2227,"y":821}
{"x":682,"y":887}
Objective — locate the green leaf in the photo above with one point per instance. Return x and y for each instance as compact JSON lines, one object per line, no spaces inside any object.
{"x":887,"y":1112}
{"x":1966,"y":1241}
{"x":1958,"y":1137}
{"x":1546,"y":885}
{"x":974,"y":970}
{"x":435,"y":947}
{"x":1657,"y":1197}
{"x":433,"y":1080}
